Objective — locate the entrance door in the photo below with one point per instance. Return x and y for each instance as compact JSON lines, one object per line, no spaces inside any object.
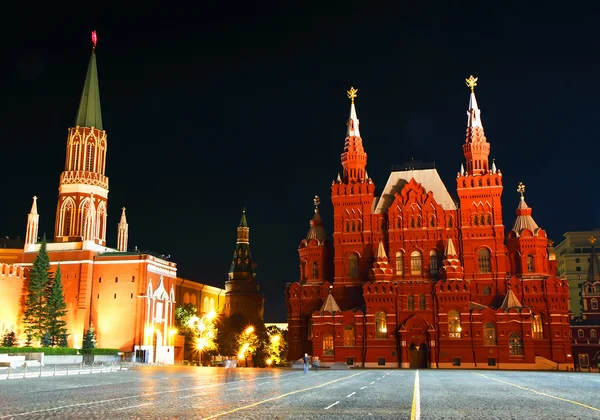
{"x":418,"y":356}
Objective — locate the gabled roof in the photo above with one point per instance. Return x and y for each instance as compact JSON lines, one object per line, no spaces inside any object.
{"x":428,"y":178}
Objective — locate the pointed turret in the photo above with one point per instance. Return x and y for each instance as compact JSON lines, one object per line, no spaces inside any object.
{"x":511,"y":301}
{"x":524,"y":219}
{"x":316,"y":231}
{"x":451,"y":267}
{"x":381,"y":270}
{"x":33,"y":222}
{"x":354,"y":158}
{"x":314,"y":250}
{"x":476,"y":148}
{"x":242,"y":260}
{"x":123,"y":233}
{"x":330,"y":305}
{"x":89,"y":114}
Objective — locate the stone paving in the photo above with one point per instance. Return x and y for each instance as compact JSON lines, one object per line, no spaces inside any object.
{"x":176,"y":392}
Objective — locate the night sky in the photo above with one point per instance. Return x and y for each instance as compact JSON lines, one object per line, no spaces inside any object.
{"x":212,"y":109}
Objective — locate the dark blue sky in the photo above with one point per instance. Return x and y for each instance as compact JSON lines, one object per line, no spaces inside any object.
{"x":214,"y":109}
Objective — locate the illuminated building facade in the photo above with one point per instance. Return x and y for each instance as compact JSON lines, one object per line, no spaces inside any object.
{"x":415,"y":278}
{"x":128,"y":296}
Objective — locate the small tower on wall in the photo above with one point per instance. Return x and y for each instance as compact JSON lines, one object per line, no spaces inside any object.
{"x":451,"y":267}
{"x":381,"y":269}
{"x":85,"y":164}
{"x":352,"y":196}
{"x":314,"y":250}
{"x":33,"y":222}
{"x":123,"y":232}
{"x":479,"y":188}
{"x":242,"y":294}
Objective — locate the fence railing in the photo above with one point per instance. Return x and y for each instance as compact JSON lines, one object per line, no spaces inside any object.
{"x":60,"y":370}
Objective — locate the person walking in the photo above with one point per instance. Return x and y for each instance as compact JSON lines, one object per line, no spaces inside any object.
{"x":305,"y":359}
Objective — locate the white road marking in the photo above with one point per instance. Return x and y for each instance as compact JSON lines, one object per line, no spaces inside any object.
{"x":329,"y":406}
{"x":415,"y":411}
{"x":378,"y":378}
{"x":131,"y":406}
{"x":349,"y":395}
{"x":372,"y":383}
{"x":364,"y":387}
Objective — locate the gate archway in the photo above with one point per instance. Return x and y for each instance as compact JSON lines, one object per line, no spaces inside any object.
{"x":417,"y":354}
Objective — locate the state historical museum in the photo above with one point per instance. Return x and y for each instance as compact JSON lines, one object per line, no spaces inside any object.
{"x":416,"y":279}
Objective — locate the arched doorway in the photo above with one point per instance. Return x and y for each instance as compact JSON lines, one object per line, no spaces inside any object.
{"x":417,"y":354}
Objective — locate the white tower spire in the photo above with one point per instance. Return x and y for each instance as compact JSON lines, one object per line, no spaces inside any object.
{"x":353,"y":130}
{"x":123,"y":233}
{"x":33,"y":222}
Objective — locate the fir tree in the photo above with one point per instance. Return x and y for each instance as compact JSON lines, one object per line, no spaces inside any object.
{"x":35,"y":305}
{"x":89,"y":341}
{"x":56,"y":309}
{"x":9,"y":339}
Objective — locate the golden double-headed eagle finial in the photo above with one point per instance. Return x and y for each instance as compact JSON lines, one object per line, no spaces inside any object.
{"x":352,"y":93}
{"x":592,"y":239}
{"x":550,"y":242}
{"x":316,"y":201}
{"x":472,"y":82}
{"x":521,"y":188}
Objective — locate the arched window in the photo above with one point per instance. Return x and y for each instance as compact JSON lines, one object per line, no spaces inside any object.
{"x":67,"y":220}
{"x":489,"y":219}
{"x":594,"y":303}
{"x":328,"y":345}
{"x":399,"y":222}
{"x":419,"y":221}
{"x":484,"y":261}
{"x":415,"y":263}
{"x":353,"y":226}
{"x":593,"y":333}
{"x":433,"y":262}
{"x":411,"y":302}
{"x":431,"y":221}
{"x":303,"y":270}
{"x":450,"y":222}
{"x":353,"y":266}
{"x":412,"y":223}
{"x":537,"y":326}
{"x":482,"y":220}
{"x":580,"y":334}
{"x":205,"y":305}
{"x":347,"y":226}
{"x":186,"y":298}
{"x":349,"y":335}
{"x":422,"y":303}
{"x":489,"y":334}
{"x":315,"y":270}
{"x":359,"y":225}
{"x":89,"y":163}
{"x":399,"y":263}
{"x":75,"y":157}
{"x":515,"y":344}
{"x":530,"y":263}
{"x":475,"y":220}
{"x":454,"y":328}
{"x":380,"y":325}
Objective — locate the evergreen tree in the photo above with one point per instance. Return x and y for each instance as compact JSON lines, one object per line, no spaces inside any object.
{"x":89,"y":341}
{"x":46,"y":340}
{"x":35,"y":304}
{"x":56,"y":309}
{"x":9,"y":339}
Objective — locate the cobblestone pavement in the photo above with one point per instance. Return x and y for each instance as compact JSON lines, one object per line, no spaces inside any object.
{"x":178,"y":392}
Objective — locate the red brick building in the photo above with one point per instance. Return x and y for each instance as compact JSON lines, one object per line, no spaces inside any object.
{"x":414,"y":278}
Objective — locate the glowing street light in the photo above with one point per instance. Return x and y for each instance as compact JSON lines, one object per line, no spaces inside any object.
{"x":249,"y":330}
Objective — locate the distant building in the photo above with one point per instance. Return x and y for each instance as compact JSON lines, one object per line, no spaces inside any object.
{"x":129,"y":296}
{"x":415,"y":278}
{"x":573,"y":256}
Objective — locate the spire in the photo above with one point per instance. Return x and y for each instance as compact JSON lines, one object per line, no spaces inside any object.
{"x":242,"y":259}
{"x":594,"y":267}
{"x":511,"y":301}
{"x":381,"y":269}
{"x":316,"y":231}
{"x":476,"y":148}
{"x":330,"y":305}
{"x":123,"y":233}
{"x":524,"y":219}
{"x":89,"y":114}
{"x":380,"y":254}
{"x":354,"y":158}
{"x":451,"y":267}
{"x":450,"y":250}
{"x":33,"y":222}
{"x":494,"y":170}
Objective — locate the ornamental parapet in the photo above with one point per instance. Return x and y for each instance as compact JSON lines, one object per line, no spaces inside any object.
{"x":84,"y":177}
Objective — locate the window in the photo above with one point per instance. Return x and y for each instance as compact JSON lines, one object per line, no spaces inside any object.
{"x":422,"y":303}
{"x":303,"y":270}
{"x":593,"y":333}
{"x":489,"y":334}
{"x":90,"y":158}
{"x":67,"y":219}
{"x":584,"y":360}
{"x":594,"y":303}
{"x":412,"y":223}
{"x":579,"y":260}
{"x":515,"y":344}
{"x":450,"y":224}
{"x":432,"y":221}
{"x":419,"y":222}
{"x":399,"y":263}
{"x":398,"y":222}
{"x":537,"y":326}
{"x":577,"y":268}
{"x":489,"y":219}
{"x":484,"y":260}
{"x":475,"y":220}
{"x":411,"y":302}
{"x":482,"y":220}
{"x":315,"y":270}
{"x":580,"y":333}
{"x":349,"y":335}
{"x":433,"y":262}
{"x":353,"y":266}
{"x":454,"y":328}
{"x":99,"y":279}
{"x":205,"y":304}
{"x":415,"y":263}
{"x":132,"y":279}
{"x":530,"y":264}
{"x":381,"y":325}
{"x":328,"y":345}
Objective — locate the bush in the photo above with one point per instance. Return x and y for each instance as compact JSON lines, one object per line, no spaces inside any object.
{"x":105,"y":352}
{"x":9,"y":339}
{"x":50,"y":351}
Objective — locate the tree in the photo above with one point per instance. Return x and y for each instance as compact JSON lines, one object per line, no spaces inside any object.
{"x":56,"y":309}
{"x":183,"y":315}
{"x":89,"y":341}
{"x":9,"y":340}
{"x":277,"y":346}
{"x":35,"y":304}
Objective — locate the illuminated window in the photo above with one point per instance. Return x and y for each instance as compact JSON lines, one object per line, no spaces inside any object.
{"x":593,"y":333}
{"x":399,"y":263}
{"x":422,"y":303}
{"x":484,"y":261}
{"x":90,"y":158}
{"x":411,"y":302}
{"x":489,"y":334}
{"x":349,"y":335}
{"x":537,"y":327}
{"x":381,"y":325}
{"x":75,"y":157}
{"x":205,"y":304}
{"x":433,"y":262}
{"x":353,"y":266}
{"x":211,"y":305}
{"x":584,"y":360}
{"x":328,"y":345}
{"x":530,"y":263}
{"x":415,"y":263}
{"x":594,"y":303}
{"x":454,"y":328}
{"x":68,"y":215}
{"x":515,"y":344}
{"x":315,"y":270}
